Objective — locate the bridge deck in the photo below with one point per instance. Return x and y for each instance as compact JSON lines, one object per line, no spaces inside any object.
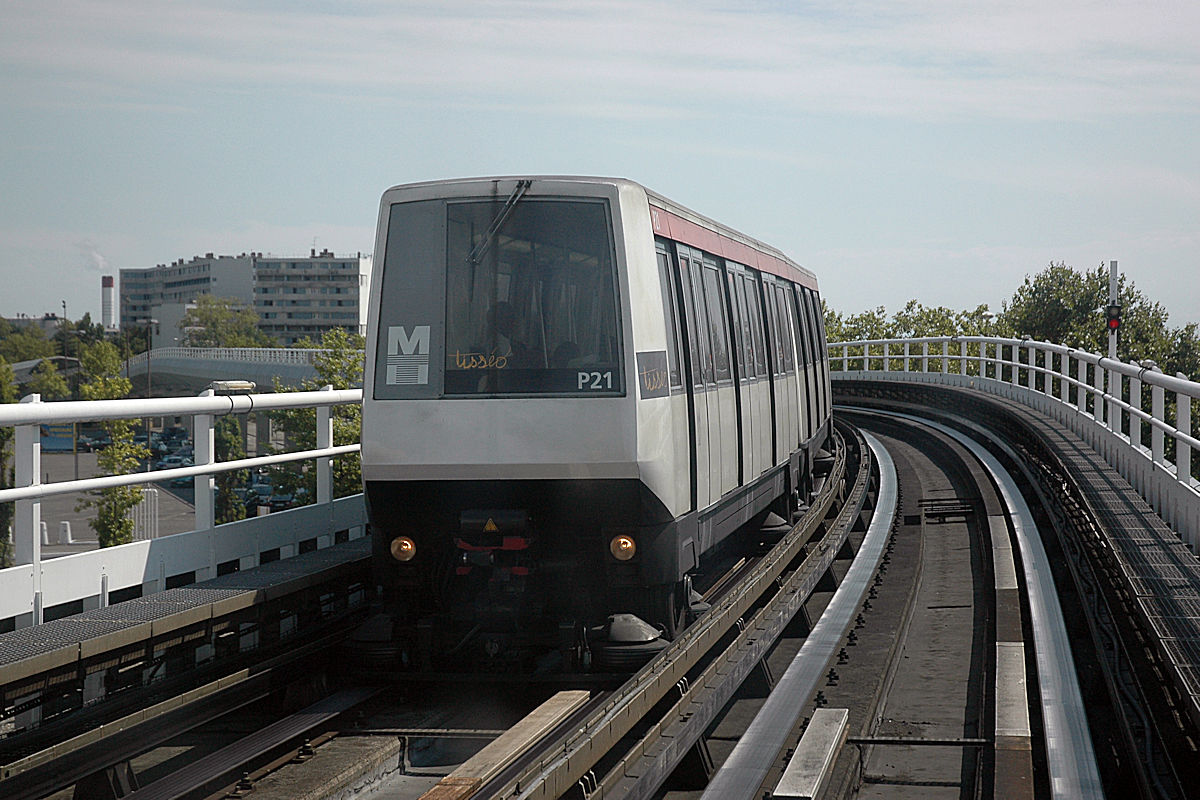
{"x":33,"y":651}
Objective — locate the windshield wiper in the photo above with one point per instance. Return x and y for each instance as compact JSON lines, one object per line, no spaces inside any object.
{"x":511,"y":203}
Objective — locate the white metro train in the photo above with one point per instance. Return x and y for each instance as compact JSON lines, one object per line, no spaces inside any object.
{"x":575,"y":390}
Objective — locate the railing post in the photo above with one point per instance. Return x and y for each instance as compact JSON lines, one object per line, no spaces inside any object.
{"x":27,"y":528}
{"x":1183,"y":422}
{"x":924,"y":356}
{"x":1135,"y":422}
{"x":1015,"y":378}
{"x":1115,"y":379}
{"x":886,"y":354}
{"x":1098,"y":385}
{"x":1081,"y":390}
{"x":945,"y":356}
{"x":324,"y":439}
{"x":205,"y":451}
{"x":1031,"y":374}
{"x":1064,"y":383}
{"x":906,"y":356}
{"x":1157,"y":410}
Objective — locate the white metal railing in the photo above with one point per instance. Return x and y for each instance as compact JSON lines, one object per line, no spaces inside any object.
{"x":1137,"y":418}
{"x":34,"y":584}
{"x":263,"y":355}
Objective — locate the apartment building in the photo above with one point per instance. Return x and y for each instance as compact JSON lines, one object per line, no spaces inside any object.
{"x":304,"y":297}
{"x":294,"y":297}
{"x":144,"y":291}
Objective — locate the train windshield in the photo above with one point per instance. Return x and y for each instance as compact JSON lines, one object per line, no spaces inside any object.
{"x":531,"y":299}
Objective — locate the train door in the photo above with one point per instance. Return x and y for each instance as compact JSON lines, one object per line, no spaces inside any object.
{"x":820,"y":375}
{"x":787,"y":338}
{"x":804,"y":360}
{"x":823,"y":361}
{"x":726,"y":431}
{"x":778,"y":388}
{"x":743,"y":363}
{"x":700,"y":367}
{"x":704,"y":334}
{"x":682,"y":420}
{"x":760,"y":385}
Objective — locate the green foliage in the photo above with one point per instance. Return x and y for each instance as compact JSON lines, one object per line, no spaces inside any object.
{"x":25,"y":344}
{"x":8,"y":394}
{"x":1066,"y":306}
{"x":341,"y":367}
{"x":46,"y":381}
{"x":228,"y":438}
{"x":101,"y":365}
{"x":222,"y":322}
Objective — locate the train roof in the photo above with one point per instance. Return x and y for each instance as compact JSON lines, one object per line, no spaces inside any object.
{"x":720,"y":239}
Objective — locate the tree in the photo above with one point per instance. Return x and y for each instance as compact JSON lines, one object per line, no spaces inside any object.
{"x":25,"y":344}
{"x":1066,"y":306}
{"x":46,"y":381}
{"x":101,"y":367}
{"x":8,"y":394}
{"x":339,"y":366}
{"x":222,"y":322}
{"x":228,"y":438}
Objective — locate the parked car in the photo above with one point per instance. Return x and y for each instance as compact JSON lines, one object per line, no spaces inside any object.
{"x":170,"y":462}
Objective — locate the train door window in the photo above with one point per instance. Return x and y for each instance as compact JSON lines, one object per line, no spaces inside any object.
{"x":756,"y":326}
{"x":693,"y":330}
{"x":703,"y":334}
{"x":718,"y":324}
{"x":670,"y":312}
{"x":737,"y":316}
{"x":773,"y":347}
{"x":803,"y":338}
{"x":745,"y":337}
{"x":786,"y":327}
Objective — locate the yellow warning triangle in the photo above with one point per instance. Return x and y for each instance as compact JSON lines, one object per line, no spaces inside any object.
{"x":490,"y":527}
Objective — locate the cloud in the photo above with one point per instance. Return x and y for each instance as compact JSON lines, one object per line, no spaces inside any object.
{"x":916,"y":58}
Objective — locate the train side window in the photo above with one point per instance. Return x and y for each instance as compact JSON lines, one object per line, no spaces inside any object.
{"x":756,"y":326}
{"x":670,"y":312}
{"x":689,"y":310}
{"x":718,"y":324}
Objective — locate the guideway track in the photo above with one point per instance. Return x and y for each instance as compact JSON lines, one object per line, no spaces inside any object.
{"x":1128,"y":581}
{"x":560,"y":763}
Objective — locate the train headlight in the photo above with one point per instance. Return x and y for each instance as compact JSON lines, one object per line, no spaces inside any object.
{"x":622,"y":547}
{"x":403,"y":548}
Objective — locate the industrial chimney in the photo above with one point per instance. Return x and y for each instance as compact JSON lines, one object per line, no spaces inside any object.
{"x":106,"y":302}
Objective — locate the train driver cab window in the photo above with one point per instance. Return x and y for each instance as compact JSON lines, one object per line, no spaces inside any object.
{"x":531,"y":299}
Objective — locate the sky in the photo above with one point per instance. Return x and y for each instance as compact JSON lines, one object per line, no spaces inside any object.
{"x":928,"y":149}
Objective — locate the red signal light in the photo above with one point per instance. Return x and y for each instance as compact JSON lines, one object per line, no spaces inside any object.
{"x":1114,"y":317}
